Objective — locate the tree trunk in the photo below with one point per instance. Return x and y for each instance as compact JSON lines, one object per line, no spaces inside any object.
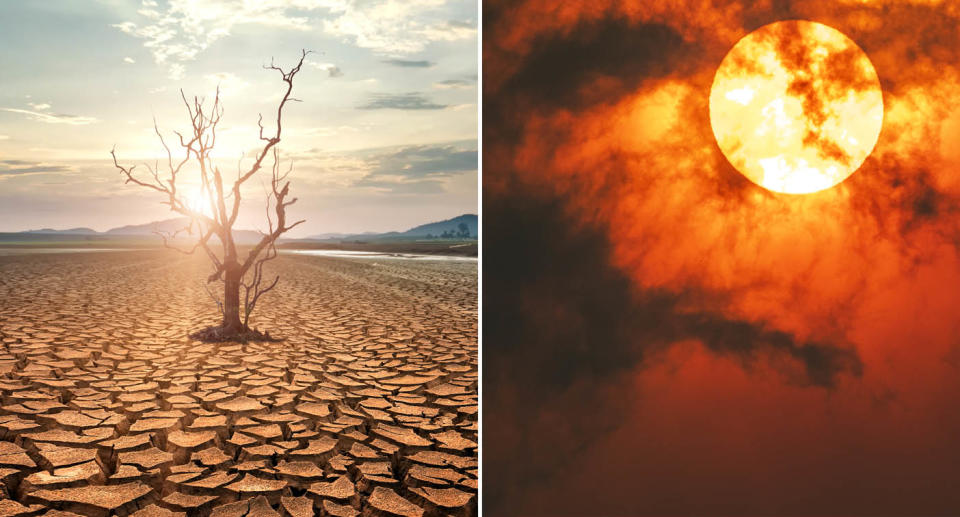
{"x":231,"y":300}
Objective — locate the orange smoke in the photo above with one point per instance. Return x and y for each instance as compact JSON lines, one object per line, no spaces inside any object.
{"x":872,"y":263}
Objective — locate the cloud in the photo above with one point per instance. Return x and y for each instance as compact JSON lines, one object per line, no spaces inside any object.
{"x":327,"y":170}
{"x":399,"y":185}
{"x":331,"y":69}
{"x":50,"y":118}
{"x":180,"y":30}
{"x":326,"y":131}
{"x":402,"y":101}
{"x":454,"y":84}
{"x":39,"y":106}
{"x":566,"y":333}
{"x":396,"y":26}
{"x":583,"y":55}
{"x":129,"y":60}
{"x":177,"y":32}
{"x":418,"y":161}
{"x":408,"y":63}
{"x":176,"y":71}
{"x":4,"y":137}
{"x":26,"y":168}
{"x":420,"y":169}
{"x":416,"y":169}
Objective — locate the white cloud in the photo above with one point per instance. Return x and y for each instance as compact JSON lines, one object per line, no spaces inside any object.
{"x":73,"y":120}
{"x":177,"y":32}
{"x":39,"y":106}
{"x":4,"y":137}
{"x":395,"y":26}
{"x":177,"y":71}
{"x":129,"y":60}
{"x":331,"y":69}
{"x":331,"y":170}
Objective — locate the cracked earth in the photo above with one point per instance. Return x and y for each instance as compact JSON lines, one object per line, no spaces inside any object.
{"x":367,"y":407}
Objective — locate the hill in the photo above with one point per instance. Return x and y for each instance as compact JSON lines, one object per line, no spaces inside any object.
{"x":125,"y":232}
{"x":449,"y":228}
{"x":167,"y":226}
{"x":446,"y":229}
{"x":177,"y":223}
{"x":71,"y":231}
{"x":449,"y":225}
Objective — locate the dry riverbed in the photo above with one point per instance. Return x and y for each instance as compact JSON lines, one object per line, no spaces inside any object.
{"x":367,"y":406}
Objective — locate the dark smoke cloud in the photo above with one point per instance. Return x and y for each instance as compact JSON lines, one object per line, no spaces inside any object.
{"x":561,"y":304}
{"x":558,"y":316}
{"x":562,"y":70}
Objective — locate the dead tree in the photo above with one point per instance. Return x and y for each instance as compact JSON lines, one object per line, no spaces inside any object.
{"x":235,"y":271}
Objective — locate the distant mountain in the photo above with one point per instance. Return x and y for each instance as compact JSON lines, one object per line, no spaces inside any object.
{"x":246,"y":236}
{"x":137,"y":230}
{"x":166,"y":226}
{"x":178,"y":223}
{"x":71,"y":231}
{"x":326,"y":236}
{"x":450,"y":227}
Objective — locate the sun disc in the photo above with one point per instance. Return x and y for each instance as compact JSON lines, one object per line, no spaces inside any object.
{"x":796,"y":106}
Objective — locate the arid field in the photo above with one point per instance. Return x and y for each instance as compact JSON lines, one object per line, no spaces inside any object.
{"x":367,"y":405}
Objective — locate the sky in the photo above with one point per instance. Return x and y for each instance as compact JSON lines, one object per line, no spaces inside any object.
{"x":385,"y":137}
{"x":663,"y":336}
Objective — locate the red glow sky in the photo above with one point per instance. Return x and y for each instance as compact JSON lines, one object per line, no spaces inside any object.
{"x":603,"y":106}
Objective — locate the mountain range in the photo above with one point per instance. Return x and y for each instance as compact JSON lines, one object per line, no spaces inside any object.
{"x":461,"y":227}
{"x":71,"y":231}
{"x":448,"y":228}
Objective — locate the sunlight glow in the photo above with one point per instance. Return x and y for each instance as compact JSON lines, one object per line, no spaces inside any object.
{"x":198,"y":200}
{"x":796,"y":106}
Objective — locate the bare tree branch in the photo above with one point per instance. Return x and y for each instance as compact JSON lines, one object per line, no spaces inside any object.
{"x":271,"y":141}
{"x":197,"y":145}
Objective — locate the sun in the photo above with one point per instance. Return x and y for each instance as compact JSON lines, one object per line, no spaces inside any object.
{"x":796,"y":106}
{"x":198,"y":200}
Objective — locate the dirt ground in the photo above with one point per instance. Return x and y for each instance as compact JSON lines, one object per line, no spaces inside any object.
{"x":367,"y":406}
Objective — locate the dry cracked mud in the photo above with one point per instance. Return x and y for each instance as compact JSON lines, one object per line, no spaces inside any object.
{"x":368,"y":405}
